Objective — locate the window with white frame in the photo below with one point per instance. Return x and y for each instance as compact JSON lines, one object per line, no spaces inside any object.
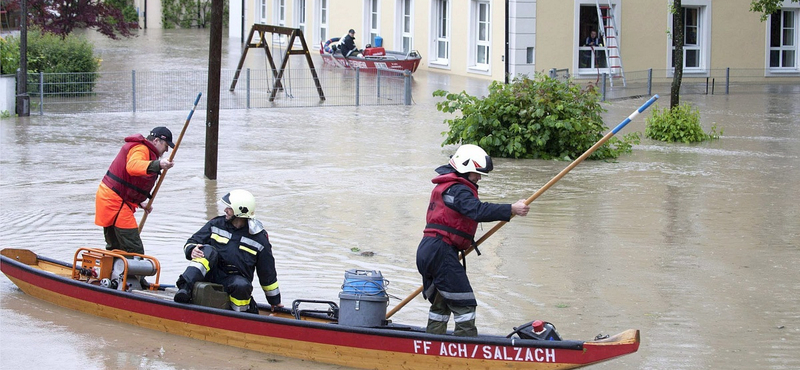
{"x":441,"y":27}
{"x":261,"y":5}
{"x":279,"y":15}
{"x":406,"y":22}
{"x":280,"y":12}
{"x":374,"y":20}
{"x":783,"y":45}
{"x":480,"y":34}
{"x":322,"y":22}
{"x":300,"y":14}
{"x":696,"y":16}
{"x":593,"y":24}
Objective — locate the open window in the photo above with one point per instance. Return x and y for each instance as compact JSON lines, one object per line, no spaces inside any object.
{"x":592,"y":39}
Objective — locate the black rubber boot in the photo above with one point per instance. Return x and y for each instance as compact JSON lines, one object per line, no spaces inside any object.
{"x":253,"y":308}
{"x":183,"y":296}
{"x":185,"y":283}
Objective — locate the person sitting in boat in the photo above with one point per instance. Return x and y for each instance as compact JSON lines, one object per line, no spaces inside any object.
{"x":452,"y":219}
{"x":127,"y":184}
{"x":348,"y":44}
{"x":228,"y":250}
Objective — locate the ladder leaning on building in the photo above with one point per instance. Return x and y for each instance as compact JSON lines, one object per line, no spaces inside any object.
{"x":607,"y":23}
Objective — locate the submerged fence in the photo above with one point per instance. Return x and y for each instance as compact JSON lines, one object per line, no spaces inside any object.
{"x":718,"y":81}
{"x":171,"y":90}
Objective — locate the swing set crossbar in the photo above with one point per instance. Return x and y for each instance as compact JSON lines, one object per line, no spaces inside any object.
{"x":277,"y":73}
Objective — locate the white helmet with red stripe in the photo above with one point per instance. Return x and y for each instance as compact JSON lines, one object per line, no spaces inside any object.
{"x":471,"y":158}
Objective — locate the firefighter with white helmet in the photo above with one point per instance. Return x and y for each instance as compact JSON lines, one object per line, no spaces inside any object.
{"x":452,"y":219}
{"x":229,"y":250}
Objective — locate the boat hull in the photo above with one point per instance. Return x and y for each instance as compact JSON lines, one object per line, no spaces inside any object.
{"x":327,"y":342}
{"x":399,"y":63}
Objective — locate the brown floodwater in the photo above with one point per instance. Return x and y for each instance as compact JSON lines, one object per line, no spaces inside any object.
{"x":696,"y":245}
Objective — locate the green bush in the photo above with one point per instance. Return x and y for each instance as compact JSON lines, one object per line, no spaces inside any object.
{"x":679,"y":124}
{"x":129,"y":13}
{"x":532,"y":118}
{"x":190,"y":13}
{"x":72,"y":58}
{"x":7,"y":56}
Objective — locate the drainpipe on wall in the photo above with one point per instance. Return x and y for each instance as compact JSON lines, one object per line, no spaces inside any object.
{"x":506,"y":44}
{"x":145,"y":14}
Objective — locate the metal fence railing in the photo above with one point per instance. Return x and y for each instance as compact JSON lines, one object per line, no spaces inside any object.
{"x":170,"y":90}
{"x":718,"y":81}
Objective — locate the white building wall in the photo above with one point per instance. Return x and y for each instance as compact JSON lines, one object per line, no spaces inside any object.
{"x":522,"y":37}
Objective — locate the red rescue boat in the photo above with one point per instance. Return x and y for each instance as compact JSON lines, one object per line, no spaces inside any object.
{"x":370,"y":58}
{"x":103,"y":284}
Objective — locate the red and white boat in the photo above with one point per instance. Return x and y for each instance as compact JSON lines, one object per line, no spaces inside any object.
{"x":371,"y":58}
{"x":97,"y":283}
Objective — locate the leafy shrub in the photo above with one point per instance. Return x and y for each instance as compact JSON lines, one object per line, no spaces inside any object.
{"x":190,"y":13}
{"x":129,"y":13}
{"x":7,"y":53}
{"x":532,"y":118}
{"x":679,"y":124}
{"x":49,"y":53}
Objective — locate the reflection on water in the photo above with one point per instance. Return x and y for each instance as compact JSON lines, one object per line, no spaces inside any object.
{"x":696,"y":245}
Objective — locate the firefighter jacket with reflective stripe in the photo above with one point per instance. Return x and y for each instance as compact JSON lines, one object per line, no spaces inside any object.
{"x":240,"y":253}
{"x":132,"y":189}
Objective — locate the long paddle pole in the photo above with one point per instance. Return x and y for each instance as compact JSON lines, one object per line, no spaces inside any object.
{"x":539,"y":192}
{"x":171,"y":156}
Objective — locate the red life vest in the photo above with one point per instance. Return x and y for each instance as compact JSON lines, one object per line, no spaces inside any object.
{"x":132,"y":189}
{"x":453,"y":227}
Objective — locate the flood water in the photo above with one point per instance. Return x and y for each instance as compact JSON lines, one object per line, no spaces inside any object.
{"x":697,"y":246}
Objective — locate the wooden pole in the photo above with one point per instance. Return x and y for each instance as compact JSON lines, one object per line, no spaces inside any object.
{"x":212,"y":101}
{"x":538,"y":193}
{"x":171,"y":156}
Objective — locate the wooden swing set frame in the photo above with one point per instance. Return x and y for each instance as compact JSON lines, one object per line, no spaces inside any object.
{"x":293,"y":33}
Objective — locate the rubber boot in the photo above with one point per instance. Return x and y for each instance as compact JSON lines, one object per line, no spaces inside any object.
{"x":185,"y":284}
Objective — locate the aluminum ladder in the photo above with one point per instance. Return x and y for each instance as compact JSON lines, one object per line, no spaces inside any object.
{"x":610,"y":35}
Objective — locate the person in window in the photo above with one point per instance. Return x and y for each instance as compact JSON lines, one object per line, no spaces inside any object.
{"x":348,"y":44}
{"x":599,"y":55}
{"x":593,"y":40}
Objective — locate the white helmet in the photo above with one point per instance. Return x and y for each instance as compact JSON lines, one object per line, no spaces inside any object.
{"x":471,"y":158}
{"x":242,"y":202}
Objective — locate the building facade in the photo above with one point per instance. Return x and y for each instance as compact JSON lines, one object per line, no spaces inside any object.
{"x":149,"y":12}
{"x":496,"y":39}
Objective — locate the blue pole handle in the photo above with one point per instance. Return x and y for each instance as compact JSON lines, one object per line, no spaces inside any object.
{"x":196,"y":100}
{"x":634,"y":114}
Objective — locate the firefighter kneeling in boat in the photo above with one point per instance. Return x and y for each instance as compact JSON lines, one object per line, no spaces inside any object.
{"x":227,"y":251}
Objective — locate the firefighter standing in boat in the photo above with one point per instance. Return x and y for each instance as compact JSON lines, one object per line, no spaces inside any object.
{"x":227,"y":251}
{"x":453,"y":215}
{"x":127,"y":184}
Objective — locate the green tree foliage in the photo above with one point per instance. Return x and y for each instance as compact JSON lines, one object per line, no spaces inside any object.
{"x":766,"y":7}
{"x":63,"y":16}
{"x":532,"y":118}
{"x":678,"y":124}
{"x":189,"y":13}
{"x":129,"y":13}
{"x":50,"y":53}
